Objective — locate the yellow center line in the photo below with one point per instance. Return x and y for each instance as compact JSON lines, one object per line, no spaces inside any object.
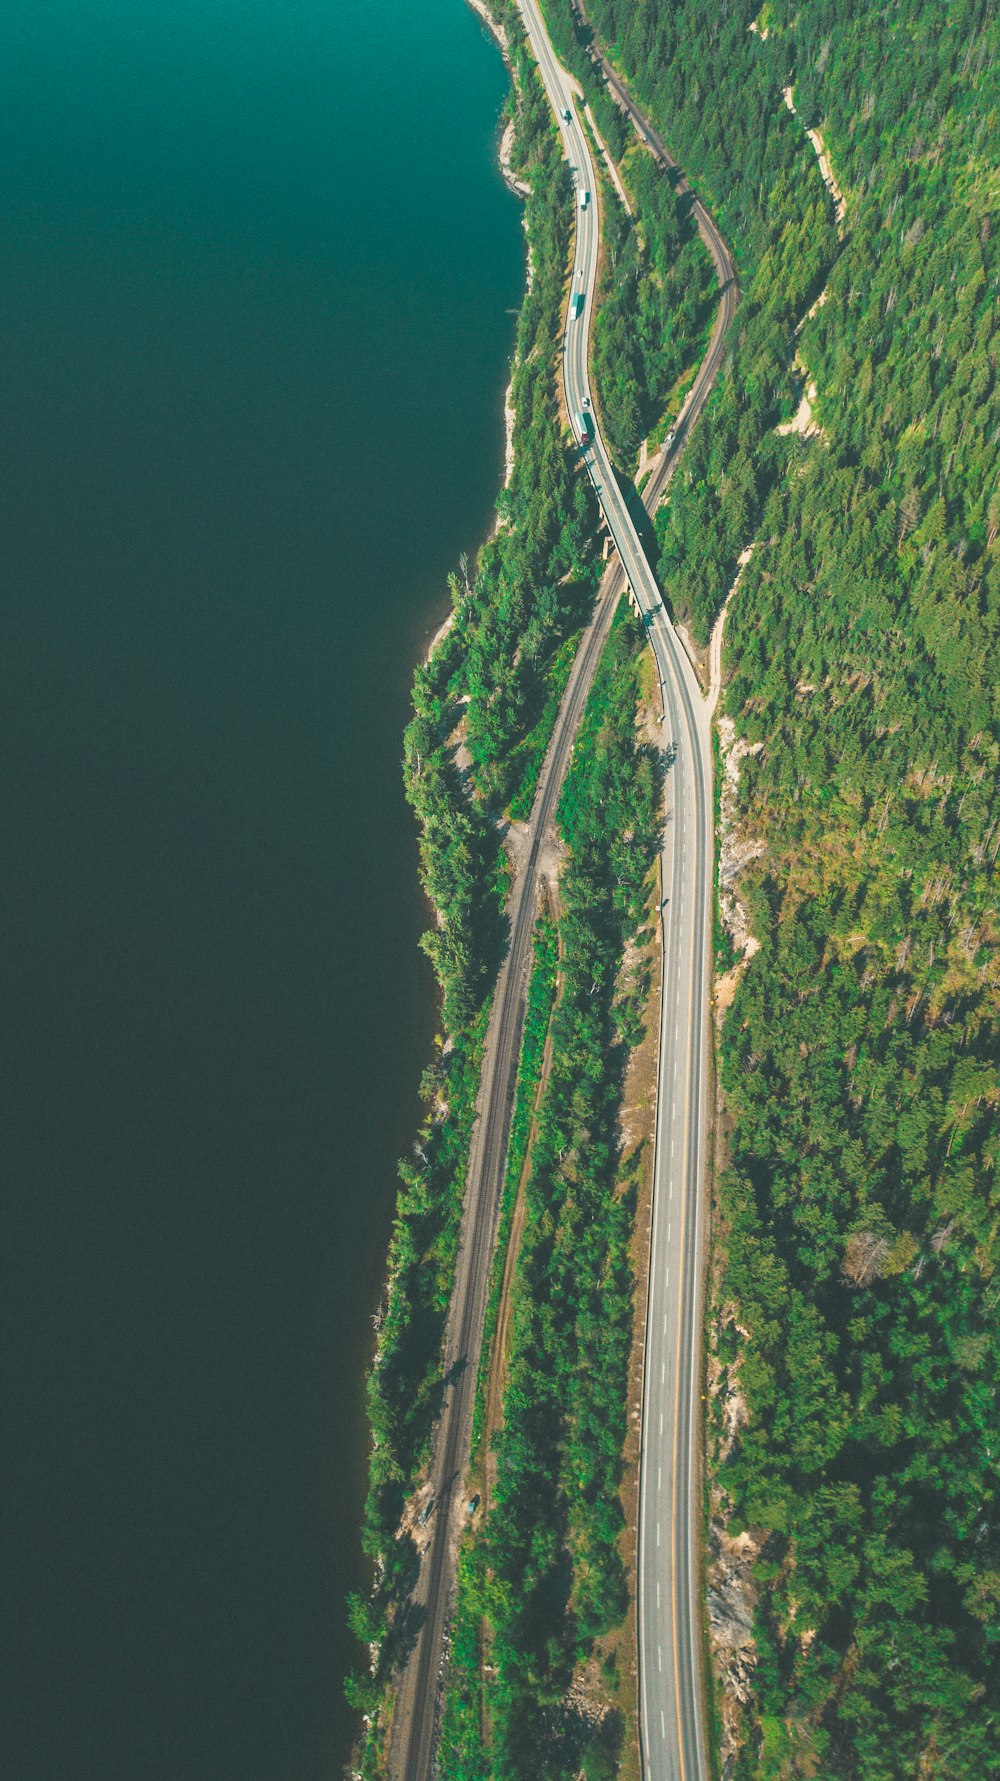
{"x":680,"y":1318}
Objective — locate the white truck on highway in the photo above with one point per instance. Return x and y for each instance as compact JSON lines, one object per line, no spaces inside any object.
{"x":584,"y":199}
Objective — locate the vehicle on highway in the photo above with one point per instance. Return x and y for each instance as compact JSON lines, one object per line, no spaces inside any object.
{"x":576,"y":306}
{"x":583,"y":427}
{"x":567,"y":114}
{"x":584,"y":199}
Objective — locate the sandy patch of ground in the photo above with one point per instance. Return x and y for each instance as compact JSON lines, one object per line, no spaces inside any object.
{"x":509,"y":418}
{"x":520,"y":186}
{"x":440,"y":634}
{"x":734,"y":854}
{"x":490,"y":22}
{"x":803,"y":421}
{"x":551,"y":854}
{"x":715,"y":642}
{"x":825,"y":168}
{"x":811,"y":311}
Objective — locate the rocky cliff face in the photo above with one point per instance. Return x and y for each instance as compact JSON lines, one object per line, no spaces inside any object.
{"x":732,"y":1595}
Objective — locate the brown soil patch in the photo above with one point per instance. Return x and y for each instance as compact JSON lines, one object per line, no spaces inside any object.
{"x":725,"y":993}
{"x":803,"y":421}
{"x":650,"y":725}
{"x":697,"y":654}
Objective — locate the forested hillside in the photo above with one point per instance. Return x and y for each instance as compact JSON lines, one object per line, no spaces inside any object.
{"x":856,"y":1424}
{"x":655,"y":308}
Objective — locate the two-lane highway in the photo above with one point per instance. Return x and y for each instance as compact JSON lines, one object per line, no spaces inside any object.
{"x":669,"y":1605}
{"x":669,"y":1585}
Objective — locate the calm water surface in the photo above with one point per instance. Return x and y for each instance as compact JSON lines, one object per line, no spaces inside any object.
{"x":256,"y":268}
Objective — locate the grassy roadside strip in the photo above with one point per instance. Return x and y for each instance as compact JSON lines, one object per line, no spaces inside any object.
{"x":538,"y":1013}
{"x":534,"y":1684}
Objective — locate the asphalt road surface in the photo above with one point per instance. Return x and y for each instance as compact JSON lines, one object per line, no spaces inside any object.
{"x":671,"y":1714}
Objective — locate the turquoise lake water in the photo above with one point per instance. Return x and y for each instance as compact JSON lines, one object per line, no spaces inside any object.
{"x":257,"y":271}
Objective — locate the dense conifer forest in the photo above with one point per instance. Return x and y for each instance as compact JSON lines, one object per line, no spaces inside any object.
{"x":855,"y":1350}
{"x":655,"y":308}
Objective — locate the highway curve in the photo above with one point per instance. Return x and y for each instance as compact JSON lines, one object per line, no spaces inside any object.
{"x":416,"y":1717}
{"x":725,"y":269}
{"x":669,"y":1606}
{"x":671,"y":1714}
